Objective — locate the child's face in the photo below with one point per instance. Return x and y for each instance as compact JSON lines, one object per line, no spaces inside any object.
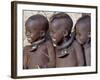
{"x":81,"y":34}
{"x":32,"y":31}
{"x":57,"y":30}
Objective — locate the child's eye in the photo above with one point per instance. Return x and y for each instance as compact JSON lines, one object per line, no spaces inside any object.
{"x":78,"y":33}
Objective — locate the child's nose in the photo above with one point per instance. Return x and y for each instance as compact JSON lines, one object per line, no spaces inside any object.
{"x":28,"y":35}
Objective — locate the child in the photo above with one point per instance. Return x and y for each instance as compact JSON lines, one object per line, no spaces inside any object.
{"x":40,"y":54}
{"x":67,"y":55}
{"x":83,"y":29}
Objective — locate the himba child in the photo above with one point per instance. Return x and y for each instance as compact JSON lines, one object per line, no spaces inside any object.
{"x":83,"y":32}
{"x":68,"y":51}
{"x":40,"y":54}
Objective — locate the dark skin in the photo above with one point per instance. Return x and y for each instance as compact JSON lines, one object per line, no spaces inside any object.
{"x":59,"y":30}
{"x":83,"y":37}
{"x":33,"y":31}
{"x":43,"y":56}
{"x":82,"y":33}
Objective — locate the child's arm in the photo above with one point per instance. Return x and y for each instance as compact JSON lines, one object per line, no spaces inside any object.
{"x":25,"y":58}
{"x":24,"y":61}
{"x":79,"y":53}
{"x":51,"y":55}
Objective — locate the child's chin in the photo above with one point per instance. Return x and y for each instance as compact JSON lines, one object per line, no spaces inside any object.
{"x":30,"y":41}
{"x":56,"y":43}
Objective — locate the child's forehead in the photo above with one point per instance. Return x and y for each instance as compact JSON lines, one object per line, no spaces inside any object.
{"x":84,"y":23}
{"x":59,"y":23}
{"x":33,"y":27}
{"x":82,"y":27}
{"x":32,"y":23}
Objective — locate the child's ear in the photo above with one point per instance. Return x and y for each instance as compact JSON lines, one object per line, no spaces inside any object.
{"x":42,"y":33}
{"x":65,"y":33}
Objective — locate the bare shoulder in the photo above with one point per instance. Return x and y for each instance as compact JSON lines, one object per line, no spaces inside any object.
{"x":26,"y":49}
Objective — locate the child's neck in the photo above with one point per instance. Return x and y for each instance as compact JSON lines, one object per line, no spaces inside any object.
{"x":64,"y":40}
{"x":67,"y":41}
{"x":63,"y":48}
{"x":37,"y":43}
{"x":62,"y":45}
{"x":88,"y":43}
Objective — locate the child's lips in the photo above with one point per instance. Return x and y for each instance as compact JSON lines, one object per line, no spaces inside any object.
{"x":54,"y":40}
{"x":29,"y":39}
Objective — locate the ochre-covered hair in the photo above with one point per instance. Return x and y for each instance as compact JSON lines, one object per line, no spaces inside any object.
{"x":41,"y":19}
{"x":66,"y":17}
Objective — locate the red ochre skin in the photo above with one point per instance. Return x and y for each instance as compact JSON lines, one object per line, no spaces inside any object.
{"x":83,"y":32}
{"x":60,"y":28}
{"x":43,"y":57}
